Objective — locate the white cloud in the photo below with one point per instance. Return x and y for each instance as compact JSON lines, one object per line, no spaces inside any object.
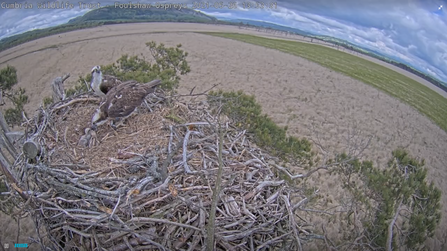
{"x":218,"y":14}
{"x":407,"y":32}
{"x":18,"y":21}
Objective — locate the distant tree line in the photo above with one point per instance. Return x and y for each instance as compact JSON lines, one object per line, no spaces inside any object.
{"x":15,"y":40}
{"x":430,"y":79}
{"x":111,"y":15}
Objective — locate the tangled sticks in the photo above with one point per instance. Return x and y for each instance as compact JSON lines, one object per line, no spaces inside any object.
{"x":158,"y":194}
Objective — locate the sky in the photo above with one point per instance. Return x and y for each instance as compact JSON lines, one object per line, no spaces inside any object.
{"x":415,"y":31}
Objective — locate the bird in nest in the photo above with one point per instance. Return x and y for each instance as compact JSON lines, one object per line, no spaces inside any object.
{"x":102,"y":84}
{"x":122,"y":101}
{"x":89,"y":138}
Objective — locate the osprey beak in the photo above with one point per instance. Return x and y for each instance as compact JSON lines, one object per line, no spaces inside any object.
{"x":96,"y":68}
{"x":94,"y":127}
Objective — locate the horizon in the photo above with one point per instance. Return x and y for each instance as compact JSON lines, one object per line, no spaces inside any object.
{"x":409,"y":30}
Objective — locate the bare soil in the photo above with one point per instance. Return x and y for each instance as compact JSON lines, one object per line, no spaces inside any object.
{"x":314,"y":102}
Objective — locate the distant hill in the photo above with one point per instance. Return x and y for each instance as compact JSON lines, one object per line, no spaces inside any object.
{"x":378,"y":55}
{"x":268,"y":25}
{"x":111,"y":15}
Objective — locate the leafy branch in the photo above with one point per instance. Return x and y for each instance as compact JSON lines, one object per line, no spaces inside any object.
{"x":8,"y":78}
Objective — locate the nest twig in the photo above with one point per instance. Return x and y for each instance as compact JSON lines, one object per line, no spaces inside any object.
{"x":157,"y":194}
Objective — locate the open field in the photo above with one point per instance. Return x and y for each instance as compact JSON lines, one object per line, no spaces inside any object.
{"x":425,"y":100}
{"x":314,"y":101}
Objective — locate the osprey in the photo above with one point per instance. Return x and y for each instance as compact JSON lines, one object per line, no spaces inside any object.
{"x":102,"y":84}
{"x":88,"y":139}
{"x":121,"y":101}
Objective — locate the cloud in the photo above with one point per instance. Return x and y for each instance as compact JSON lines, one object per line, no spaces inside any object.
{"x":413,"y":31}
{"x":16,"y":21}
{"x":219,"y":14}
{"x":409,"y":30}
{"x":19,"y":20}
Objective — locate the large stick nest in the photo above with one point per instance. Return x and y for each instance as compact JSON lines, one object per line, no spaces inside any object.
{"x":149,"y":184}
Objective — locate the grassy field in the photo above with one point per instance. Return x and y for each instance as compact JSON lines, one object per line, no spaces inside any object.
{"x":425,"y":100}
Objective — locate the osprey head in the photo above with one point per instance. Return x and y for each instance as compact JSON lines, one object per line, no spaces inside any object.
{"x":96,"y":68}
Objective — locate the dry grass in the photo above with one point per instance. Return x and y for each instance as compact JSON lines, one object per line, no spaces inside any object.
{"x":140,"y":134}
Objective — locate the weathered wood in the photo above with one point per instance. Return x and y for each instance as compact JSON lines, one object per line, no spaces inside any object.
{"x":4,"y":141}
{"x":3,"y":159}
{"x":15,"y":136}
{"x":2,"y":101}
{"x":3,"y":123}
{"x":58,"y":88}
{"x":5,"y":168}
{"x":31,"y":149}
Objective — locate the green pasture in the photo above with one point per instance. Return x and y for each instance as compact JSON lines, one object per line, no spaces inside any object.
{"x":417,"y":95}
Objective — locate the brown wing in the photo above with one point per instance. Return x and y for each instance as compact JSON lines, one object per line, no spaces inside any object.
{"x":150,"y":87}
{"x":131,"y":84}
{"x":108,"y":82}
{"x":122,"y":100}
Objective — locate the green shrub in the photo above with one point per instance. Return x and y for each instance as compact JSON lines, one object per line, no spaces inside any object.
{"x":8,"y":78}
{"x":13,"y":116}
{"x":169,"y":64}
{"x":47,"y":101}
{"x":80,"y":86}
{"x":403,"y":181}
{"x":245,"y":112}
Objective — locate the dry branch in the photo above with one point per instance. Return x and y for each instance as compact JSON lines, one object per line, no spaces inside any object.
{"x":31,"y":149}
{"x":5,"y":142}
{"x":3,"y":123}
{"x":216,"y":192}
{"x":58,"y":88}
{"x":127,"y":201}
{"x":389,"y":239}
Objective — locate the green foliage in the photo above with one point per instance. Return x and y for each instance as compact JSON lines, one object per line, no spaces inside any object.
{"x":244,"y":111}
{"x":169,"y":64}
{"x":415,"y":94}
{"x":47,"y":101}
{"x":13,"y":116}
{"x":19,"y":98}
{"x":8,"y":78}
{"x":80,"y":86}
{"x":404,"y":180}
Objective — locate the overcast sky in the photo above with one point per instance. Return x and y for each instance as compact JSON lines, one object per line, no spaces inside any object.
{"x":412,"y":30}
